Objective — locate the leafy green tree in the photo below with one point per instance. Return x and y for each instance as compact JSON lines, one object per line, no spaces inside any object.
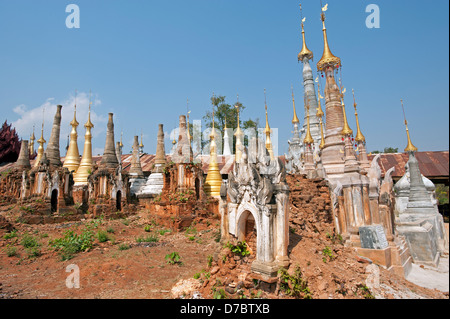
{"x":387,"y":150}
{"x":227,"y":112}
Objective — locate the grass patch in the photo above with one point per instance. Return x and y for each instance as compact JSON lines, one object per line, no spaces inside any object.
{"x":147,"y":239}
{"x":73,"y":243}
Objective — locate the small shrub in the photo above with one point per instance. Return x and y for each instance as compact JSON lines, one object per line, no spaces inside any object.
{"x":10,"y":235}
{"x":33,"y":252}
{"x":219,"y":294}
{"x":173,"y":258}
{"x":366,"y":291}
{"x":240,"y":248}
{"x":210,"y":260}
{"x":110,"y":230}
{"x":72,"y":243}
{"x":11,"y":251}
{"x":327,"y":254}
{"x":124,"y":246}
{"x":29,"y":241}
{"x":102,"y":236}
{"x":148,"y":228}
{"x":294,"y":285}
{"x":163,"y":231}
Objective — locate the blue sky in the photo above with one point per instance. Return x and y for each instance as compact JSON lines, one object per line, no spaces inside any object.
{"x":143,"y":59}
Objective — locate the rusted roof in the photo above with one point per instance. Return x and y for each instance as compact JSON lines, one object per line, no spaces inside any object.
{"x":431,"y":164}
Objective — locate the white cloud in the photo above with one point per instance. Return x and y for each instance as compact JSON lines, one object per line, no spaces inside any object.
{"x":46,"y":111}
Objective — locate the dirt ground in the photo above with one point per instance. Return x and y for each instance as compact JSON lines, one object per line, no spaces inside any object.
{"x":109,"y":271}
{"x":106,"y":270}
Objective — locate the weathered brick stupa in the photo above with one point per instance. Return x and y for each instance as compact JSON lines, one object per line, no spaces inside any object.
{"x":108,"y":184}
{"x":45,"y":188}
{"x":52,"y":151}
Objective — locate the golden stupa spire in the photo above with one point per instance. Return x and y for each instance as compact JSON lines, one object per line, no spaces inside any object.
{"x":410,"y":147}
{"x":213,"y":179}
{"x":72,"y":159}
{"x":267,"y":130}
{"x":41,"y":141}
{"x":305,"y":52}
{"x":141,"y":145}
{"x":328,"y":59}
{"x":322,"y":139}
{"x":346,"y":130}
{"x":121,"y":136}
{"x":86,"y":163}
{"x":295,"y":119}
{"x":359,"y":136}
{"x":308,"y":138}
{"x":319,"y":113}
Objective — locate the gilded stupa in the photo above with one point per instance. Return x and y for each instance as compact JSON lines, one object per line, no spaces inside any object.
{"x":41,"y":141}
{"x":213,"y":178}
{"x":72,"y":159}
{"x":86,"y":164}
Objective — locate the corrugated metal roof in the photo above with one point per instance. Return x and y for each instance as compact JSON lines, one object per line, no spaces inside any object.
{"x":431,"y":164}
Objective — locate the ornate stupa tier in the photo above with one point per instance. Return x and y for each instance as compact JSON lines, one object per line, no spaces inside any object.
{"x":72,"y":159}
{"x":305,"y":52}
{"x":213,"y":180}
{"x":328,"y":59}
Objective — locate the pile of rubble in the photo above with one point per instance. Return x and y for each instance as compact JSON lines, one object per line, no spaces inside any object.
{"x":321,"y":266}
